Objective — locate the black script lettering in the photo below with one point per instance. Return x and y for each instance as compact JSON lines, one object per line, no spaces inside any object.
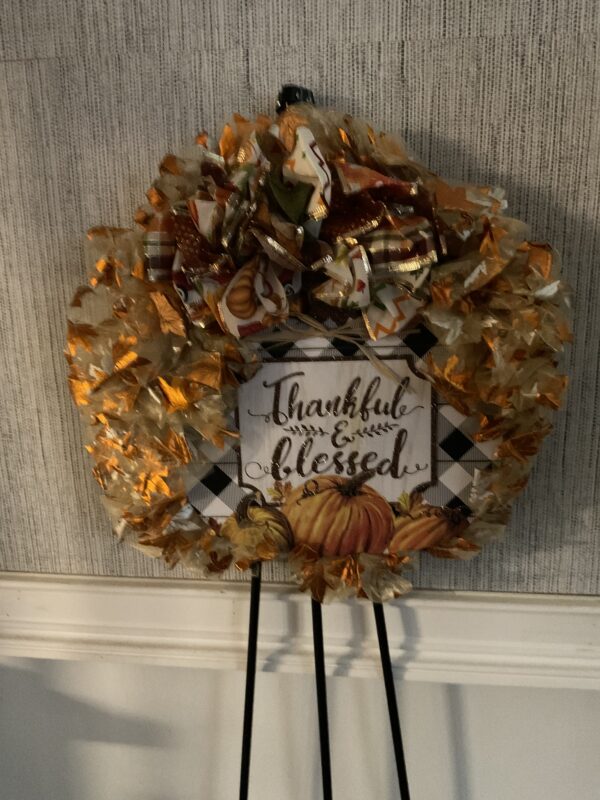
{"x":368,"y":396}
{"x":349,"y":407}
{"x":303,"y":454}
{"x":351,"y":468}
{"x":320,"y":463}
{"x":368,"y":461}
{"x":315,"y":407}
{"x":392,"y":466}
{"x":338,"y":464}
{"x":249,"y":469}
{"x":280,"y":453}
{"x":333,"y":406}
{"x":292,"y":399}
{"x":401,"y":437}
{"x":298,"y":410}
{"x":384,"y":466}
{"x":279,"y":416}
{"x":338,"y":438}
{"x":396,"y":410}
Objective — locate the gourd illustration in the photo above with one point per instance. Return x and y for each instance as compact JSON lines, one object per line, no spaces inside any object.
{"x":340,"y":516}
{"x":241,"y":298}
{"x":421,"y":526}
{"x":256,"y":528}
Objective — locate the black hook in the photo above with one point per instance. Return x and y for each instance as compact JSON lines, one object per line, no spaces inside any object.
{"x":291,"y":93}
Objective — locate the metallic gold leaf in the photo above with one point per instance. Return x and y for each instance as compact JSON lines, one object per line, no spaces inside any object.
{"x":169,"y":317}
{"x":80,"y":335}
{"x":176,"y":398}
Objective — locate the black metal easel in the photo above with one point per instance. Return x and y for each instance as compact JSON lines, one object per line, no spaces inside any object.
{"x":321,"y":687}
{"x":294,"y":94}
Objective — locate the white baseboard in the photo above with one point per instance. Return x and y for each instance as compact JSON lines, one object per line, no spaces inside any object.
{"x":448,"y":637}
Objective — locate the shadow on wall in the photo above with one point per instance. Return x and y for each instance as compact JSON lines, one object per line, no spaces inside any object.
{"x":39,"y":726}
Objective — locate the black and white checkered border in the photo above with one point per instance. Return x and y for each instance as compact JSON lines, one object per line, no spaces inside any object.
{"x":458,"y":455}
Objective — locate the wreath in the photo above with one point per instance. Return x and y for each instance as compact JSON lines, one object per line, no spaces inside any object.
{"x":309,"y":224}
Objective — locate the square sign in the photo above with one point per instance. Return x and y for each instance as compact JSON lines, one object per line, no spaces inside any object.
{"x":300,"y":419}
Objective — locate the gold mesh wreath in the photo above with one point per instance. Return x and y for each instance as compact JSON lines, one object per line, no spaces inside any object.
{"x":315,"y":218}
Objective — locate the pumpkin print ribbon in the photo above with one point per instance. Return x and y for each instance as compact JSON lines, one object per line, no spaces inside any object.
{"x":253,"y":300}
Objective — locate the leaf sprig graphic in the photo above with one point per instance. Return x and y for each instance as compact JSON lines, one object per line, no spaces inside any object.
{"x":376,"y":429}
{"x":302,"y":430}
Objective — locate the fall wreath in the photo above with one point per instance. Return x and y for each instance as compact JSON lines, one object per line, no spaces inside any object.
{"x":309,"y":224}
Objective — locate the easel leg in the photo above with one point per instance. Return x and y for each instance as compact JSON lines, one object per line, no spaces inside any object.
{"x":317,"y":622}
{"x":390,"y":692}
{"x":250,"y":679}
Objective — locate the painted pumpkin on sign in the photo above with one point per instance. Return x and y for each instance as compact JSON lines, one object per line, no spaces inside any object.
{"x":338,"y":516}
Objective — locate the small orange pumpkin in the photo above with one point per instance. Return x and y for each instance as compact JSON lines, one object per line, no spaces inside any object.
{"x":423,"y":527}
{"x":421,"y":533}
{"x":339,"y":516}
{"x":241,"y":298}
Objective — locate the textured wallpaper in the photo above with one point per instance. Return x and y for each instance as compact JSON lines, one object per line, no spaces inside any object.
{"x":92,"y":94}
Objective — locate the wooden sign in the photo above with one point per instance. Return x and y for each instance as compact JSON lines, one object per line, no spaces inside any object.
{"x":301,"y":419}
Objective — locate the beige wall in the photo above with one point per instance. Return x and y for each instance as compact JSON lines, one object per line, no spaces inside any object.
{"x":92,"y":94}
